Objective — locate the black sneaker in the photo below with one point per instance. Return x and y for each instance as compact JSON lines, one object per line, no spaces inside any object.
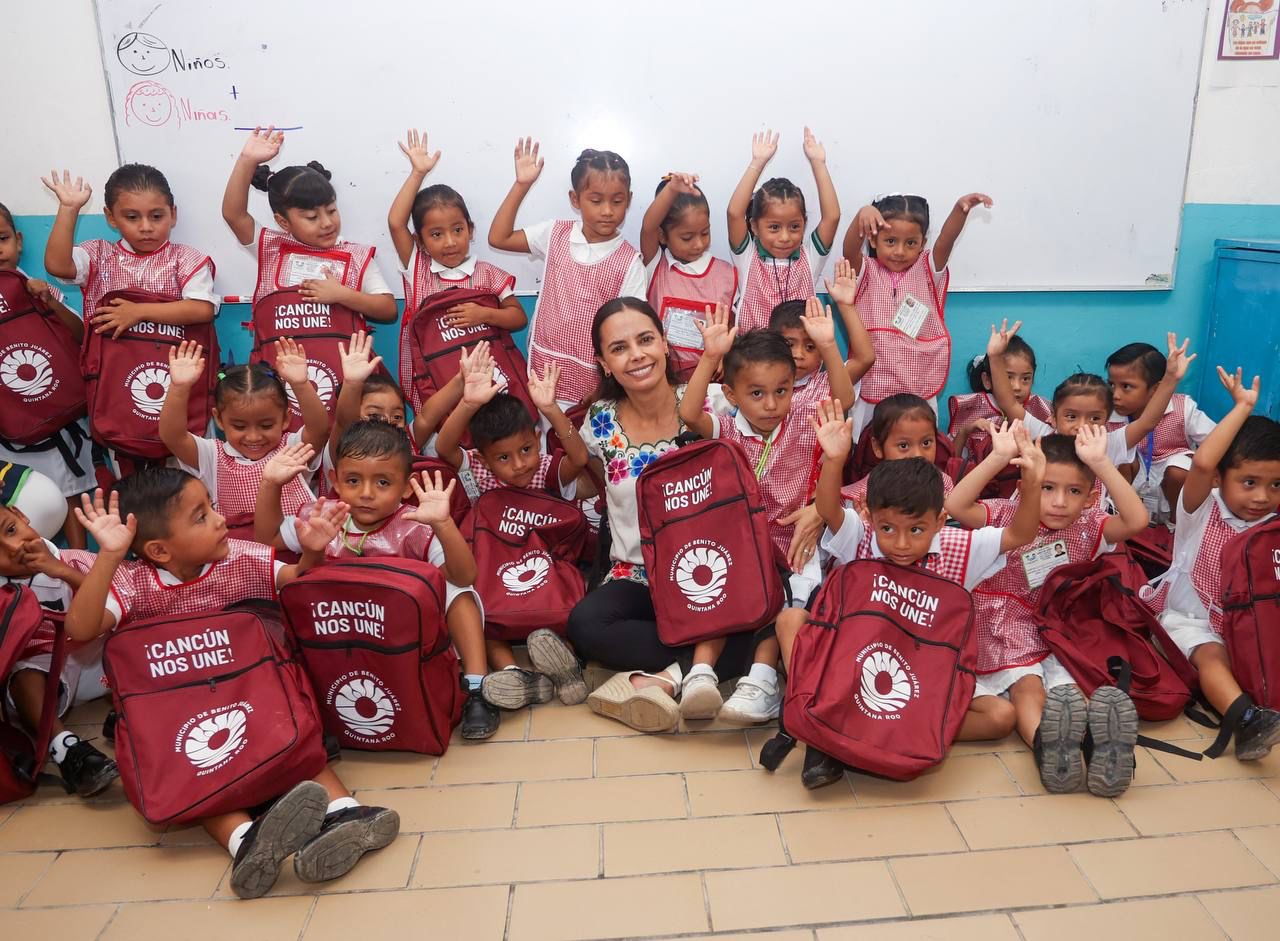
{"x":555,"y":659}
{"x":479,"y":719}
{"x":1059,"y":739}
{"x":820,"y":769}
{"x":86,"y":771}
{"x":345,"y":836}
{"x":1255,"y":738}
{"x":1110,"y":740}
{"x":282,"y":830}
{"x":109,"y":726}
{"x":515,"y":688}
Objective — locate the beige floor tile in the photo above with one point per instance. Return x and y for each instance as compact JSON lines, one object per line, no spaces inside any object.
{"x":1251,"y":915}
{"x":1152,"y":920}
{"x":801,"y":934}
{"x":756,"y":791}
{"x":478,"y":913}
{"x":1219,"y":769}
{"x":514,"y":727}
{"x":488,"y":856}
{"x":19,"y":872}
{"x":210,"y":921}
{"x":1216,"y":805}
{"x":186,"y":836}
{"x":965,"y":928}
{"x":962,"y":778}
{"x":1273,"y":786}
{"x":131,"y":875}
{"x":556,"y":721}
{"x":387,"y":868}
{"x":869,"y":832}
{"x":632,"y":849}
{"x":65,"y":924}
{"x":90,"y":713}
{"x":608,"y":908}
{"x":76,"y":826}
{"x":1178,"y":729}
{"x":665,"y":754}
{"x":966,"y":882}
{"x":1032,"y":821}
{"x":361,"y":769}
{"x":5,"y":814}
{"x":798,"y":895}
{"x":601,"y":800}
{"x":1167,"y":865}
{"x":515,"y":761}
{"x":1010,"y":742}
{"x":1022,"y":765}
{"x":1264,"y":843}
{"x":463,"y":807}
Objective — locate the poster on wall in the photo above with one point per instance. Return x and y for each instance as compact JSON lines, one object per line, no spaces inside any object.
{"x":1249,"y":30}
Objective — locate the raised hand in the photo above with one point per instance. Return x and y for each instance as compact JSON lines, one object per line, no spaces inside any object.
{"x":71,"y":194}
{"x":291,"y":361}
{"x":1178,"y":361}
{"x":717,"y":335}
{"x":262,"y":146}
{"x":478,"y":386}
{"x":103,"y":523}
{"x":528,"y":163}
{"x":1030,"y":459}
{"x":813,"y":148}
{"x":433,"y":498}
{"x":844,"y":289}
{"x":358,"y":361}
{"x":999,"y":342}
{"x":869,"y":221}
{"x":764,"y":144}
{"x":686,"y":183}
{"x":543,"y":391}
{"x":415,"y":148}
{"x":186,"y":364}
{"x":818,"y":323}
{"x":1004,"y":440}
{"x":323,"y":525}
{"x":967,"y":202}
{"x":835,"y":432}
{"x":288,"y":463}
{"x":1091,"y":445}
{"x":1240,"y":393}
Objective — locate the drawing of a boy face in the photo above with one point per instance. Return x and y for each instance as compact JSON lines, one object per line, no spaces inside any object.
{"x":150,"y":103}
{"x":143,"y":54}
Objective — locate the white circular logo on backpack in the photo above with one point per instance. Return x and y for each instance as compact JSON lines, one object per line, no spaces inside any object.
{"x":528,"y":573}
{"x":148,"y":385}
{"x":701,"y":570}
{"x":210,"y":741}
{"x":365,"y":707}
{"x":886,"y":683}
{"x":26,"y":370}
{"x":321,"y":377}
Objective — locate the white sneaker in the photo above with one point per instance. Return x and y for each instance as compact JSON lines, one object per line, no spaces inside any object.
{"x":700,"y":696}
{"x":752,"y":702}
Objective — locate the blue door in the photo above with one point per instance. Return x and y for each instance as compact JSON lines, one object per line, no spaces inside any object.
{"x":1244,"y":324}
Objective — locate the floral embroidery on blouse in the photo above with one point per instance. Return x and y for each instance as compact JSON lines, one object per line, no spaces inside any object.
{"x":627,"y":572}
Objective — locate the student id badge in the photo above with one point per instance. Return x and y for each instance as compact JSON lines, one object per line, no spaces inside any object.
{"x":1039,"y":562}
{"x":296,"y":267}
{"x":681,"y":319}
{"x":910,"y":316}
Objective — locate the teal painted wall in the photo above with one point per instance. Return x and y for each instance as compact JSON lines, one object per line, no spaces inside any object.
{"x":1070,"y":330}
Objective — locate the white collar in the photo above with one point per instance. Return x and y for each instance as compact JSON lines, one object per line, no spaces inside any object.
{"x":577,"y":238}
{"x":744,"y":426}
{"x":168,"y":578}
{"x":460,"y":273}
{"x":698,"y":267}
{"x":1230,"y":518}
{"x":234,"y":454}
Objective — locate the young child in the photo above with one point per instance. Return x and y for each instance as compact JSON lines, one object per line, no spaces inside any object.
{"x":766,"y":232}
{"x":1012,"y":659}
{"x":902,"y":426}
{"x":902,"y":291}
{"x":436,"y":255}
{"x":973,"y":415}
{"x":1233,"y":485}
{"x":365,"y":395}
{"x":903,"y":522}
{"x":307,"y":250}
{"x":252,"y":410}
{"x":684,"y":277}
{"x":373,"y":478}
{"x":52,"y":574}
{"x":588,"y":262}
{"x":1135,"y":371}
{"x":185,"y":564}
{"x":780,"y":444}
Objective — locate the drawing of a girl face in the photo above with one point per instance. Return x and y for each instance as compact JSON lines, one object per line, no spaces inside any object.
{"x":143,"y":54}
{"x":150,"y":103}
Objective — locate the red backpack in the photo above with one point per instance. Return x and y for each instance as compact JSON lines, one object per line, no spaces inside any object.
{"x":1090,"y":612}
{"x":41,"y":389}
{"x":127,"y":378}
{"x":883,"y":671}
{"x":372,"y":636}
{"x":20,"y":758}
{"x":1152,"y":549}
{"x":318,"y":327}
{"x":434,"y":349}
{"x":1251,"y":610}
{"x":704,"y":535}
{"x":214,"y":713}
{"x":527,"y":544}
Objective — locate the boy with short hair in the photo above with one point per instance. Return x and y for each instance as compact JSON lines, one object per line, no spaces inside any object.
{"x":186,"y":564}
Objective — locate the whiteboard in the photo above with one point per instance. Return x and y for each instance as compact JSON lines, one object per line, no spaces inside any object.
{"x":1075,"y":117}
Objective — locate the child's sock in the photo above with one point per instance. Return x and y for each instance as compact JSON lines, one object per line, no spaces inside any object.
{"x":763,"y":673}
{"x":237,"y":837}
{"x":473,"y":681}
{"x":61,"y":743}
{"x":341,"y":803}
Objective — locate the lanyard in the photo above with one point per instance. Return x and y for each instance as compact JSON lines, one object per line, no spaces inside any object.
{"x":783,"y":287}
{"x":768,"y":447}
{"x":358,"y":548}
{"x":1150,"y":449}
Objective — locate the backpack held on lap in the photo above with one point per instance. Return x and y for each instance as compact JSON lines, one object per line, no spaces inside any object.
{"x":41,"y":389}
{"x":20,"y":758}
{"x":1251,"y":611}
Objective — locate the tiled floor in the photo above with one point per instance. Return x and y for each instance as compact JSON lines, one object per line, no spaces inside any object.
{"x":571,"y":826}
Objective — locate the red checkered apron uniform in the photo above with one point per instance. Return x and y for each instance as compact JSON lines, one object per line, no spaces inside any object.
{"x":398,"y":537}
{"x":951,"y":561}
{"x":904,"y":364}
{"x":678,"y":294}
{"x":348,"y":262}
{"x":1169,"y":437}
{"x":785,"y":472}
{"x":425,"y":282}
{"x":770,"y":285}
{"x":248,"y":571}
{"x":571,"y":295}
{"x":112,"y":267}
{"x":1004,"y":605}
{"x":546,"y":477}
{"x":974,"y":405}
{"x":1206,"y":573}
{"x":237,"y":487}
{"x":856,"y":492}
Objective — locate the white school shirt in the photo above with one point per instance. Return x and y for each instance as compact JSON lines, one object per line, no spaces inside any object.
{"x":1187,"y":539}
{"x":697,"y":268}
{"x":634,"y":284}
{"x":207,"y":460}
{"x":373,"y":283}
{"x":461,"y":274}
{"x":985,"y":555}
{"x":199,"y":286}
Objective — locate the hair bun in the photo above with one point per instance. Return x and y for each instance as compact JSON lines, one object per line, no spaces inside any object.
{"x":589,"y":153}
{"x":261,"y":177}
{"x":319,"y":168}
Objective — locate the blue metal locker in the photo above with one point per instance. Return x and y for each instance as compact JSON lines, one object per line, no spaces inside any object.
{"x":1244,"y":323}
